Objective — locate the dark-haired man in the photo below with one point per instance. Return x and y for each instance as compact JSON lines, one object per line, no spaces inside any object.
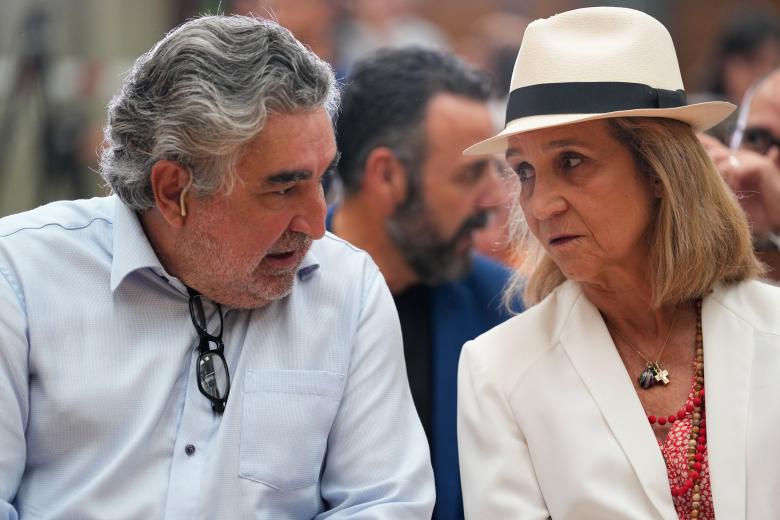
{"x":413,"y":202}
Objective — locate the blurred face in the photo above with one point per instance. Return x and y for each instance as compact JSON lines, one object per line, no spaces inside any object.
{"x":584,"y":200}
{"x":434,"y":227}
{"x":244,"y":248}
{"x":762,"y":128}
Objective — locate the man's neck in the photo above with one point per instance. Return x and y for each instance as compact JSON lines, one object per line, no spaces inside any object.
{"x":355,"y":222}
{"x":162,"y":244}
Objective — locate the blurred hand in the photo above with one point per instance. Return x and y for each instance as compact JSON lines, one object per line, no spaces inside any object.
{"x":754,"y":178}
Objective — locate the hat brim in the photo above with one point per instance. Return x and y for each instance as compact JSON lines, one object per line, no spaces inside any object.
{"x":700,"y":116}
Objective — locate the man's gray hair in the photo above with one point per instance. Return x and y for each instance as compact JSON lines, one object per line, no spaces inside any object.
{"x":200,"y":95}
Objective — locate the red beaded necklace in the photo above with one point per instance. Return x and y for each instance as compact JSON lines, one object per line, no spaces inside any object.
{"x":697,"y":440}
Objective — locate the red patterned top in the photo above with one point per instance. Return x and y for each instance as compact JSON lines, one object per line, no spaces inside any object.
{"x":675,"y":453}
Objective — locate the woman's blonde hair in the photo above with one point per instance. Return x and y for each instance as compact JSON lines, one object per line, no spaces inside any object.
{"x":700,"y":237}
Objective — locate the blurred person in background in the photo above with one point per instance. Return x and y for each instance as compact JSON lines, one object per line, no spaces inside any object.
{"x":491,"y":44}
{"x":373,"y":24}
{"x":592,"y":403}
{"x":747,"y":48}
{"x":195,"y":345}
{"x":751,"y":167}
{"x":312,"y":22}
{"x":414,"y":203}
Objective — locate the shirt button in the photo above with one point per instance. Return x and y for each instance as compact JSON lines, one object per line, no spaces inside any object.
{"x":189,"y":449}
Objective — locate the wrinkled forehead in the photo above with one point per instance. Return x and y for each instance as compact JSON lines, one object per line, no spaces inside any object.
{"x":587,"y":134}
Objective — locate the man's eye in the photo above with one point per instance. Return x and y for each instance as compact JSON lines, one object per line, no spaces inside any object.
{"x":283,"y":191}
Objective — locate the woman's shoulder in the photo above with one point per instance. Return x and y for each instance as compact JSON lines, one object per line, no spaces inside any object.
{"x":754,"y":302}
{"x":525,"y":337}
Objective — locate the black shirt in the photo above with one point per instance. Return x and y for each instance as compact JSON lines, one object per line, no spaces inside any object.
{"x":415,"y":314}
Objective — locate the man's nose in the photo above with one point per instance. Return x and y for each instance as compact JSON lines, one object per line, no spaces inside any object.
{"x":309,"y":218}
{"x":492,"y":190}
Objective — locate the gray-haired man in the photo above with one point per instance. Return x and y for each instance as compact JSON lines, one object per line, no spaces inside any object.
{"x":189,"y":347}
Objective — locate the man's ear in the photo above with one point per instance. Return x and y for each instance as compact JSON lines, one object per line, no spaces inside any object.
{"x":385,"y":176}
{"x":170,"y":182}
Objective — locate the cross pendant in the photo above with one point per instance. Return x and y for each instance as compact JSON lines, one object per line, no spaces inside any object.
{"x":661,"y":375}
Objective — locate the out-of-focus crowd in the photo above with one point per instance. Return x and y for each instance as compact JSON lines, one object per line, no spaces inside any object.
{"x":68,"y":133}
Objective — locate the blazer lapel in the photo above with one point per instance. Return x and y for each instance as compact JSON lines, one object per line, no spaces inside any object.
{"x":588,"y":344}
{"x":728,"y":355}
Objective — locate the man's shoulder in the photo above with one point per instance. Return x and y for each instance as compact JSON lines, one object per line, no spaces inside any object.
{"x":338,"y":257}
{"x":486,"y":280}
{"x":488,"y":271}
{"x":479,"y":293}
{"x":332,"y":247}
{"x":65,"y":215}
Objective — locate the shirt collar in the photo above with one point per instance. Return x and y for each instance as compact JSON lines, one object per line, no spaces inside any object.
{"x":309,"y":265}
{"x":133,"y":252}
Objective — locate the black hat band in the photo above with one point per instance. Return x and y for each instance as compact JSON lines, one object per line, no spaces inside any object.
{"x":588,"y":98}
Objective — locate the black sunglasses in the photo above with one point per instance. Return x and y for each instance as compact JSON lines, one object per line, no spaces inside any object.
{"x":759,"y":140}
{"x":211,"y":368}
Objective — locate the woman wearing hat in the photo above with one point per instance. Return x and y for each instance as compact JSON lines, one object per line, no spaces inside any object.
{"x":644,"y":381}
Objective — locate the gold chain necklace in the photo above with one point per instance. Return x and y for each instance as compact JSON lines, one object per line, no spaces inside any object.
{"x":652,"y":373}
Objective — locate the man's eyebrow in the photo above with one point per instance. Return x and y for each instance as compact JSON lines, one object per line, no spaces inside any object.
{"x":475,"y":166}
{"x":291,"y":176}
{"x":287,"y":177}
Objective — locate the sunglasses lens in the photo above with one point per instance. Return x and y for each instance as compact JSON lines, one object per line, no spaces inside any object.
{"x":757,"y":140}
{"x":213,"y":375}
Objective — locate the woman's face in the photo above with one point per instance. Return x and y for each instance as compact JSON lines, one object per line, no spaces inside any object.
{"x":585,"y":200}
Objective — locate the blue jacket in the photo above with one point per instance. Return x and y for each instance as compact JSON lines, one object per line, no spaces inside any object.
{"x":461,"y":311}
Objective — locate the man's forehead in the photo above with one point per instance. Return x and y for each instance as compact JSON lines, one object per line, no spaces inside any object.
{"x":290,"y":143}
{"x":765,"y":111}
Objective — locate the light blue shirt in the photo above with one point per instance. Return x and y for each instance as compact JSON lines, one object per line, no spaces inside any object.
{"x":101,"y":410}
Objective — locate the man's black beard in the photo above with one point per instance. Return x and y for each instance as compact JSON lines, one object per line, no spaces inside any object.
{"x":434,"y":259}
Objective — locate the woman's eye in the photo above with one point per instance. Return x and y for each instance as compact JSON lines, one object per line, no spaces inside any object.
{"x":571,"y":161}
{"x":524,"y":171}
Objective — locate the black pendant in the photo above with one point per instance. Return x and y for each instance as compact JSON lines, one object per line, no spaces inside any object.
{"x":647,"y":377}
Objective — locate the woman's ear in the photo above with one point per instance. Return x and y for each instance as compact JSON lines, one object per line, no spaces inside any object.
{"x":658,"y":188}
{"x":170,"y":182}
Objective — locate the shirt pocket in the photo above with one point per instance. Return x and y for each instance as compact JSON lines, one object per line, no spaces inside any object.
{"x":285,"y":422}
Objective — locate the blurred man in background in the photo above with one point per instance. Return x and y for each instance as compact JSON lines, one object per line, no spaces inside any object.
{"x":196,"y":346}
{"x":752,"y":167}
{"x":414,"y":202}
{"x":746,"y":49}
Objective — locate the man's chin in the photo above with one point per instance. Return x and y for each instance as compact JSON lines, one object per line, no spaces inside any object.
{"x":453,"y":268}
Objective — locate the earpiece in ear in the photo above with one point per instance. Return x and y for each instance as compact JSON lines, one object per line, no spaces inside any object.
{"x":182,"y":203}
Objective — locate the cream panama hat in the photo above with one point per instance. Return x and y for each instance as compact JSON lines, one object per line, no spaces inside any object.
{"x":597,"y":63}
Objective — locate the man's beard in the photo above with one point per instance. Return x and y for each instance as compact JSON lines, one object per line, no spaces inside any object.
{"x":235,"y":281}
{"x":434,"y":259}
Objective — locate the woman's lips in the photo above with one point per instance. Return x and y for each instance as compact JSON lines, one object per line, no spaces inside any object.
{"x":562,"y":240}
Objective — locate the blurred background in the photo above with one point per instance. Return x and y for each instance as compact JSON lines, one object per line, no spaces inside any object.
{"x":61,"y":60}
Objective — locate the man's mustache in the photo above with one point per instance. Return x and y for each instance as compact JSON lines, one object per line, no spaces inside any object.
{"x":473,"y":223}
{"x":290,"y":241}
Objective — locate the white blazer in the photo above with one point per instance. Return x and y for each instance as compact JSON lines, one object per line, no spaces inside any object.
{"x":549,"y":424}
